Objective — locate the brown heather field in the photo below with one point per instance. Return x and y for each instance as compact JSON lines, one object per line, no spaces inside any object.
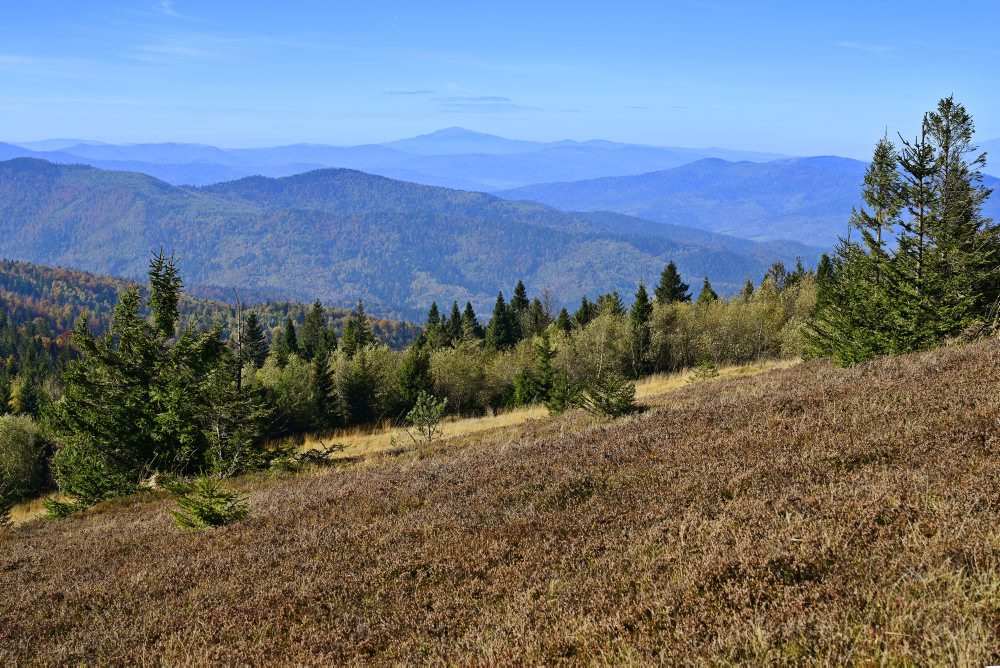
{"x":805,"y":515}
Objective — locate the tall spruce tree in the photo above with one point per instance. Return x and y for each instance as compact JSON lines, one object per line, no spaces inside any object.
{"x":254,"y":343}
{"x":415,"y":374}
{"x":934,"y":279}
{"x":966,"y":245}
{"x":140,"y":401}
{"x":324,"y":399}
{"x":165,"y":287}
{"x":286,"y":343}
{"x":471,"y":329}
{"x":454,"y":328}
{"x":358,"y":332}
{"x":854,"y":318}
{"x":434,"y":329}
{"x":544,"y":376}
{"x":501,"y":332}
{"x":563,"y":321}
{"x":671,"y":288}
{"x":313,"y":337}
{"x":707,"y":294}
{"x":538,"y":319}
{"x":639,"y":321}
{"x":519,"y":302}
{"x":586,"y":312}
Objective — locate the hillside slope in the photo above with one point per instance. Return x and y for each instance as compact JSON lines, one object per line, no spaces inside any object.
{"x":805,"y":199}
{"x":806,"y":515}
{"x":58,"y":297}
{"x":340,"y":235}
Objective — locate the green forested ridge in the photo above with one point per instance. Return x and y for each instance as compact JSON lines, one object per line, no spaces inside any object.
{"x":57,"y":297}
{"x":339,"y":235}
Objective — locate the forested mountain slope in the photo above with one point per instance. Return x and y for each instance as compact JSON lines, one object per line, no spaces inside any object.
{"x":58,"y":297}
{"x":340,"y":235}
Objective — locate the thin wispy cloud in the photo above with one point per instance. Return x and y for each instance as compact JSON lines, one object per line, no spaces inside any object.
{"x":180,"y":48}
{"x":411,"y":92}
{"x":172,"y":51}
{"x":166,"y":7}
{"x":473,"y":99}
{"x":12,"y":63}
{"x":877,"y":49}
{"x":482,"y":104}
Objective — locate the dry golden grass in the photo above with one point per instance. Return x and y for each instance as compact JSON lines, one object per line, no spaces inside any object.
{"x":810,"y":515}
{"x":366,"y":442}
{"x":29,"y":510}
{"x":668,"y":382}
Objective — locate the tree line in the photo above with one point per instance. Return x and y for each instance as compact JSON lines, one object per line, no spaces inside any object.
{"x":155,"y":395}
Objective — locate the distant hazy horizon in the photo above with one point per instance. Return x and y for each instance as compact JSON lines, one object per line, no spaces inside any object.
{"x":771,"y":76}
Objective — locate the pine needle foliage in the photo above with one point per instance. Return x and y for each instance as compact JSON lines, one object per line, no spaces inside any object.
{"x":425,"y":416}
{"x":205,"y":503}
{"x":924,"y":266}
{"x":609,"y":395}
{"x":706,"y":370}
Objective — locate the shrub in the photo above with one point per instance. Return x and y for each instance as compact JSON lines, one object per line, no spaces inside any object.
{"x":609,"y":395}
{"x":459,"y":374}
{"x":57,"y":510}
{"x":426,"y":417}
{"x":20,"y":457}
{"x":6,"y":503}
{"x":205,"y":503}
{"x":290,"y":388}
{"x":562,"y":395}
{"x":87,"y":475}
{"x":706,"y":370}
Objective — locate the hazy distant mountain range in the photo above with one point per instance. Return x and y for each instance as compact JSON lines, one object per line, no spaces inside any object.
{"x":339,"y":235}
{"x":804,"y":199}
{"x":454,"y":158}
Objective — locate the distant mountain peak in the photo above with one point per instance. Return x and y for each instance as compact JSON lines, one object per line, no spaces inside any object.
{"x":458,"y":131}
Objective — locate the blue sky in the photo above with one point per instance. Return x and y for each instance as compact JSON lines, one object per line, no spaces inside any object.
{"x":793,"y":77}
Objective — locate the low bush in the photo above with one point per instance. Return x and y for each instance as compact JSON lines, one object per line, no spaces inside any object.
{"x":21,"y":457}
{"x":426,"y":417}
{"x":204,"y":503}
{"x":609,"y":395}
